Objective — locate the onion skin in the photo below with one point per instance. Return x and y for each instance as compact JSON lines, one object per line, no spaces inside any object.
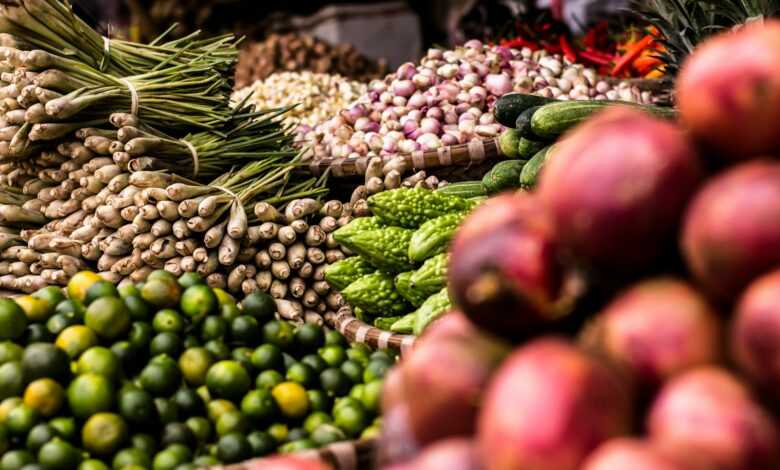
{"x":617,"y":187}
{"x":633,"y":454}
{"x":549,"y":406}
{"x":708,"y":418}
{"x":450,"y":454}
{"x":731,"y":233}
{"x":659,"y":328}
{"x":728,"y":92}
{"x":755,"y":337}
{"x":504,"y":271}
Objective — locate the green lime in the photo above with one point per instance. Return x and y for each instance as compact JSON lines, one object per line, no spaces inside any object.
{"x":194,"y":364}
{"x":200,"y":428}
{"x":279,"y":333}
{"x":382,"y":356}
{"x":314,"y":361}
{"x":45,"y":396}
{"x":376,"y":370}
{"x":130,"y":456}
{"x":168,"y":320}
{"x":278,"y":432}
{"x":108,"y":317}
{"x":259,"y":305}
{"x":104,"y":433}
{"x":218,"y":349}
{"x":302,"y":374}
{"x":137,"y":406}
{"x":187,"y":280}
{"x":37,"y":333}
{"x":353,"y":370}
{"x":335,"y":382}
{"x":166,"y":460}
{"x":59,"y":455}
{"x":167,"y":410}
{"x":165,"y":343}
{"x":12,"y":320}
{"x":41,"y":360}
{"x":99,"y":360}
{"x":346,"y":401}
{"x":100,"y":289}
{"x":140,"y":335}
{"x":357,"y":392}
{"x":65,"y":427}
{"x":39,"y":435}
{"x":268,"y":379}
{"x":291,"y":399}
{"x":233,"y":448}
{"x":268,"y":356}
{"x":350,"y":419}
{"x":223,"y":297}
{"x":334,"y":338}
{"x":198,"y":301}
{"x":228,"y":379}
{"x":137,"y":308}
{"x":189,"y":402}
{"x":10,"y":351}
{"x":231,"y":421}
{"x":218,"y":407}
{"x":372,"y":432}
{"x":259,"y":406}
{"x":76,"y":339}
{"x":229,"y":312}
{"x":160,"y":274}
{"x":213,"y":328}
{"x":51,"y":294}
{"x":93,"y":464}
{"x":21,"y":419}
{"x":333,"y":355}
{"x":144,"y":442}
{"x":160,"y":377}
{"x":315,"y":419}
{"x":262,"y":443}
{"x":191,"y":341}
{"x":359,"y":353}
{"x":177,"y":433}
{"x":162,"y":293}
{"x":310,"y":337}
{"x":89,"y":394}
{"x":245,"y":329}
{"x":80,"y":282}
{"x":70,"y":306}
{"x":318,"y":400}
{"x":9,"y":404}
{"x":11,"y":379}
{"x":126,"y":290}
{"x":60,"y":321}
{"x":297,"y":446}
{"x":128,"y":356}
{"x":36,"y":310}
{"x":372,"y":396}
{"x":16,"y":459}
{"x":326,"y":434}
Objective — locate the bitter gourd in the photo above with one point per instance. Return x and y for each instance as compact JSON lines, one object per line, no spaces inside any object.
{"x":433,"y":237}
{"x":431,"y":276}
{"x":403,"y":283}
{"x":343,"y":273}
{"x":386,"y":248}
{"x":376,"y":294}
{"x":404,"y":325}
{"x":344,"y":234}
{"x":433,"y":308}
{"x":412,"y":207}
{"x":386,"y":323}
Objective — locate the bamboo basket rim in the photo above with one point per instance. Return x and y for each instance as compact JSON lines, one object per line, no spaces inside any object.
{"x":357,"y":331}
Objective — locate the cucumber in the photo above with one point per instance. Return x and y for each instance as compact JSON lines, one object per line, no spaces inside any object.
{"x":531,"y":170}
{"x":552,"y":120}
{"x":527,"y":148}
{"x":509,"y":143}
{"x":523,"y":123}
{"x":464,"y":189}
{"x":509,"y":106}
{"x":504,"y":175}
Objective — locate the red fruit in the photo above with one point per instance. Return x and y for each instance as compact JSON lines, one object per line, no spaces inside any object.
{"x":505,"y":272}
{"x":287,"y":463}
{"x":630,"y":454}
{"x":755,"y":338}
{"x":617,"y":187}
{"x":443,"y":382}
{"x":728,"y":92}
{"x":657,"y":329}
{"x":397,"y":443}
{"x":709,"y":418}
{"x":450,"y":454}
{"x":732,"y":229}
{"x":548,"y":407}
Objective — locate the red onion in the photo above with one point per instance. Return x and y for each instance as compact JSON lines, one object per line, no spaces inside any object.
{"x":473,"y":44}
{"x":434,"y":54}
{"x":386,"y":97}
{"x":378,"y":86}
{"x":498,"y":84}
{"x":417,"y":100}
{"x":481,"y":69}
{"x":422,"y":81}
{"x":415,"y":134}
{"x":448,"y":92}
{"x":430,"y":125}
{"x":435,"y":113}
{"x":429,"y":141}
{"x":406,"y":71}
{"x":462,"y":107}
{"x":450,"y":117}
{"x":390,"y":145}
{"x":403,"y":88}
{"x":389,"y":115}
{"x":399,"y":101}
{"x":410,"y":126}
{"x":447,"y":71}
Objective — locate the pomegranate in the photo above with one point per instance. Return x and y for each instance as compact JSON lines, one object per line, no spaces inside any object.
{"x":732,"y":229}
{"x":634,"y":454}
{"x":450,"y":454}
{"x":549,"y":406}
{"x":617,"y":187}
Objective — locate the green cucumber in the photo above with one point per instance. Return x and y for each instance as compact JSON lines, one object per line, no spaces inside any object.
{"x":464,"y":189}
{"x":504,"y":175}
{"x":527,"y":148}
{"x":523,"y":123}
{"x":533,"y":168}
{"x":509,"y":106}
{"x":552,"y":120}
{"x":509,"y":143}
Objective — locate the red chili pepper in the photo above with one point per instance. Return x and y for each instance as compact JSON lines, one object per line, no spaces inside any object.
{"x":600,"y":54}
{"x":568,"y":50}
{"x":633,"y":52}
{"x":595,"y":58}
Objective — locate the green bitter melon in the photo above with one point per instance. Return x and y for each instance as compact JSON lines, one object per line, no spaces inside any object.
{"x":386,"y":248}
{"x":376,"y":294}
{"x":433,"y":308}
{"x":412,"y":207}
{"x":403,"y":283}
{"x":343,"y":273}
{"x":433,"y":237}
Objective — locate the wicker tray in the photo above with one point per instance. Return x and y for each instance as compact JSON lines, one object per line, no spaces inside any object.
{"x":349,"y":455}
{"x":358,"y":332}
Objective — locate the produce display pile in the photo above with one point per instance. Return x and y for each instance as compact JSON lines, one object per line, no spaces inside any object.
{"x":172,"y":374}
{"x":623,"y":313}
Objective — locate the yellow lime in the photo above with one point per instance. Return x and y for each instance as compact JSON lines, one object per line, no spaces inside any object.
{"x":78,"y":284}
{"x":291,"y":398}
{"x":44,"y":395}
{"x":76,"y":339}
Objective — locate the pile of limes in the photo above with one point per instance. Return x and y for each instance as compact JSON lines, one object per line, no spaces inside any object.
{"x":172,"y":375}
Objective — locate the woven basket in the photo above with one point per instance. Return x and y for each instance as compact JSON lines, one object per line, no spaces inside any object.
{"x":356,"y":331}
{"x":349,"y":455}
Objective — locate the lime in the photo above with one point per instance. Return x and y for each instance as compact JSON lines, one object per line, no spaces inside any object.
{"x":213,"y":328}
{"x":315,"y":419}
{"x":205,"y":461}
{"x":168,"y":320}
{"x":10,"y":351}
{"x":194,"y":364}
{"x":126,"y":290}
{"x":137,"y":406}
{"x":376,"y":369}
{"x":353,"y":370}
{"x":99,"y":360}
{"x":165,"y":343}
{"x":59,"y":455}
{"x":302,"y":374}
{"x":166,"y":460}
{"x":100,"y":289}
{"x":162,"y":293}
{"x":334,"y":338}
{"x":382,"y":356}
{"x":245,"y":329}
{"x":189,"y":402}
{"x":41,"y":360}
{"x":259,"y":305}
{"x":231,"y":421}
{"x":36,"y":310}
{"x":228,"y":379}
{"x":191,"y":341}
{"x":108,"y":317}
{"x":351,"y":419}
{"x":268,"y":379}
{"x":130,"y":456}
{"x":65,"y":427}
{"x":39,"y":435}
{"x":297,"y":446}
{"x":167,"y":411}
{"x":45,"y":396}
{"x":372,"y":396}
{"x":318,"y":400}
{"x":89,"y":394}
{"x":60,"y":321}
{"x":140,"y":335}
{"x":200,"y":428}
{"x":267,"y":356}
{"x":278,"y":432}
{"x":262,"y":443}
{"x":181,"y":451}
{"x":371,"y":432}
{"x":223,"y":297}
{"x":79,"y":283}
{"x":218,"y":407}
{"x":326,"y":434}
{"x":21,"y":419}
{"x":291,"y":399}
{"x":314,"y":361}
{"x":198,"y":301}
{"x":128,"y":356}
{"x":357,"y":392}
{"x":333,"y":355}
{"x":9,"y":404}
{"x":103,"y":433}
{"x":12,"y":320}
{"x":160,"y":274}
{"x":37,"y":333}
{"x":144,"y":442}
{"x":137,"y":308}
{"x":243,"y":355}
{"x":76,"y":339}
{"x":160,"y":377}
{"x":11,"y":379}
{"x":16,"y":459}
{"x":310,"y":337}
{"x":335,"y":382}
{"x":71,"y":306}
{"x":93,"y":464}
{"x":233,"y":448}
{"x":218,"y":349}
{"x":259,"y":405}
{"x":359,"y":353}
{"x":177,"y":433}
{"x":229,"y":311}
{"x":278,"y":333}
{"x":187,"y":280}
{"x":51,"y":294}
